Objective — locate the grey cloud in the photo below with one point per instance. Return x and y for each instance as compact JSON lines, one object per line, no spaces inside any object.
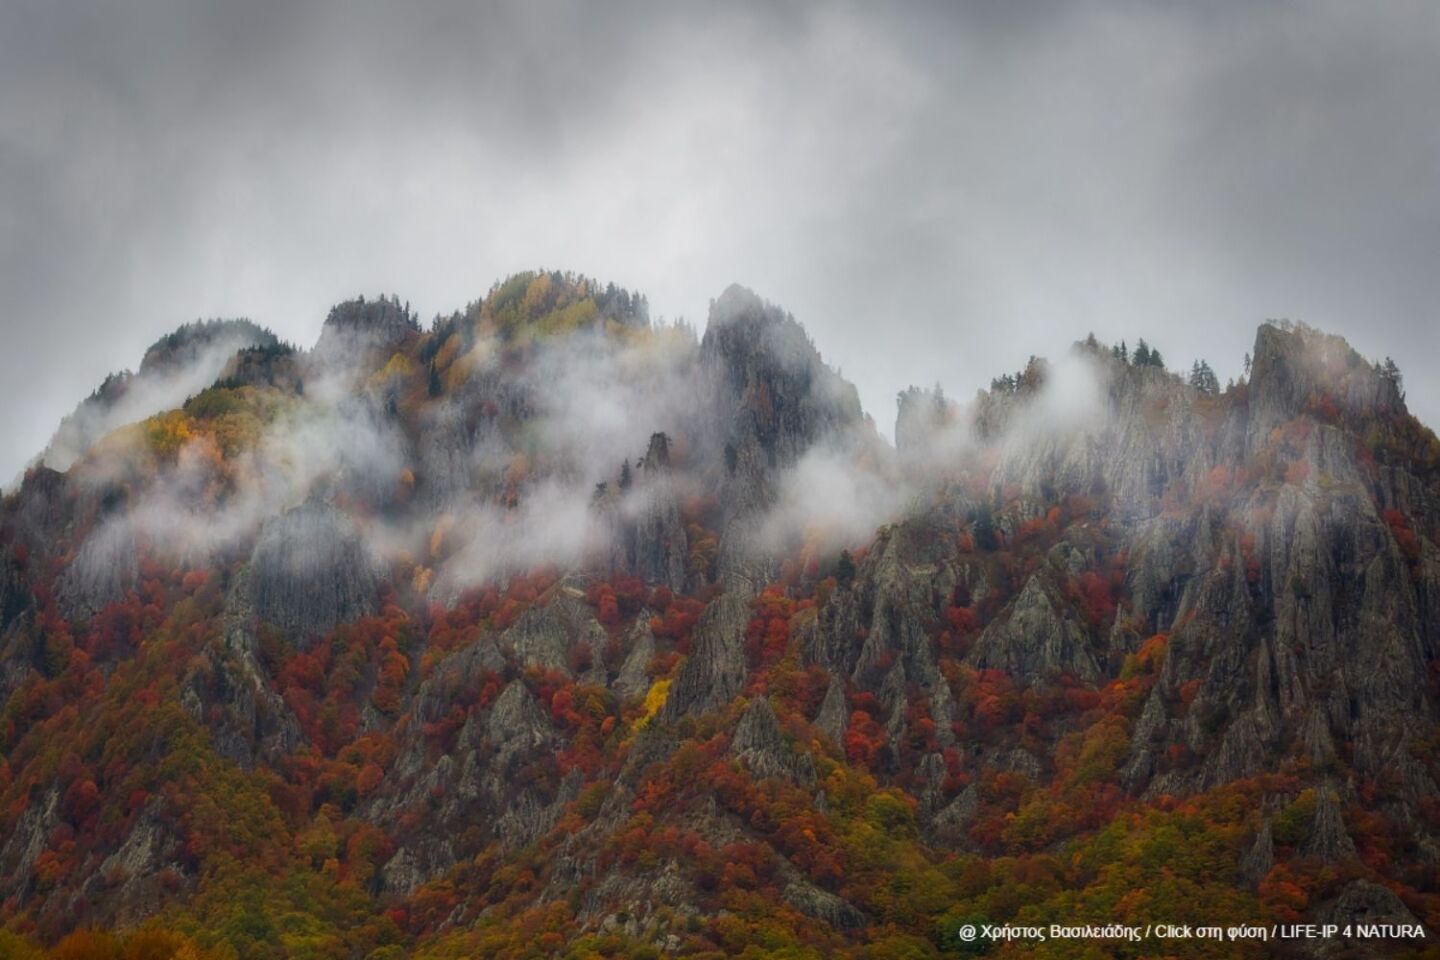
{"x":936,"y":191}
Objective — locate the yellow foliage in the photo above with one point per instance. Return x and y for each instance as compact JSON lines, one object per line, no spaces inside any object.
{"x":168,"y":432}
{"x":12,"y":947}
{"x":463,"y":366}
{"x":518,"y":470}
{"x":447,"y":352}
{"x":567,"y":318}
{"x":398,"y":367}
{"x":437,"y":538}
{"x":655,"y":699}
{"x":537,"y":295}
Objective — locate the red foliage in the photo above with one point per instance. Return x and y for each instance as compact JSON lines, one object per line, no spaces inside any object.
{"x":963,"y":620}
{"x":995,"y":701}
{"x":1404,"y":536}
{"x":863,"y":739}
{"x":768,"y":633}
{"x":82,"y":799}
{"x":1096,"y":599}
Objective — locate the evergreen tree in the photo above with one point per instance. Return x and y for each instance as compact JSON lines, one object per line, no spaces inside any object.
{"x":845,"y":569}
{"x":1391,"y":372}
{"x":983,"y":527}
{"x":1142,"y":353}
{"x":1203,"y":378}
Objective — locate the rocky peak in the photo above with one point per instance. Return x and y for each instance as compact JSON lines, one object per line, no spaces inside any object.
{"x":365,"y":323}
{"x":774,"y":389}
{"x":760,"y":745}
{"x":311,"y":570}
{"x":191,"y":342}
{"x":715,"y":671}
{"x":175,"y":367}
{"x":920,"y":414}
{"x":657,"y":454}
{"x":1297,"y":369}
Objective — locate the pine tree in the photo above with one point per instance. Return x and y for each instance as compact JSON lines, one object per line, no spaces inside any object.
{"x":1391,"y":372}
{"x":1142,"y":353}
{"x":1202,"y":378}
{"x":983,"y":528}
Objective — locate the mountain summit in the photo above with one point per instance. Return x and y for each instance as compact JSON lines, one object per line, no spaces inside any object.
{"x":552,"y":631}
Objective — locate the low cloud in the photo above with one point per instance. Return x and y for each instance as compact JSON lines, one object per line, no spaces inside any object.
{"x":131,"y":397}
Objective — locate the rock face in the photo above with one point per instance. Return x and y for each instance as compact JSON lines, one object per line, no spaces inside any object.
{"x":498,"y":783}
{"x":1364,"y":901}
{"x":654,"y":542}
{"x":1328,"y":839}
{"x":923,"y":416}
{"x":311,"y":570}
{"x":773,"y":399}
{"x":517,"y":725}
{"x":27,"y":841}
{"x":358,"y":325}
{"x":814,"y":902}
{"x":1160,"y":592}
{"x":777,"y":396}
{"x":760,"y":746}
{"x":1260,"y":857}
{"x":147,"y":867}
{"x":833,"y":716}
{"x":230,"y":691}
{"x":634,"y":678}
{"x":104,"y":570}
{"x":546,"y":636}
{"x":1293,"y":365}
{"x":1036,"y":638}
{"x":714,"y":673}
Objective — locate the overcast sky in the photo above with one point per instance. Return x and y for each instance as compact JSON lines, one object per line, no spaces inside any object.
{"x":936,"y":192}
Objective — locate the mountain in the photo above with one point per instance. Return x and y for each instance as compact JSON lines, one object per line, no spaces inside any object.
{"x":552,"y":631}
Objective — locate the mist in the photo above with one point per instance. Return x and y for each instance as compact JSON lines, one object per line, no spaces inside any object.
{"x":131,"y":397}
{"x":454,"y":500}
{"x":940,"y":191}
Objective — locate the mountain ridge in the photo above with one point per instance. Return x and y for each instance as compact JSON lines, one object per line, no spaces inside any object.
{"x":549,"y":621}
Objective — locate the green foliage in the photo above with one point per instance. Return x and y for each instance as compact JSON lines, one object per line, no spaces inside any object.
{"x":214,"y":402}
{"x":845,"y":569}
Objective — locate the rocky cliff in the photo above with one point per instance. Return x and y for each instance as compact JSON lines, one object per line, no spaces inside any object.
{"x":473,"y":642}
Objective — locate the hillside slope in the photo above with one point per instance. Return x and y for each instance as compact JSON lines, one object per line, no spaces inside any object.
{"x":549,"y":631}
